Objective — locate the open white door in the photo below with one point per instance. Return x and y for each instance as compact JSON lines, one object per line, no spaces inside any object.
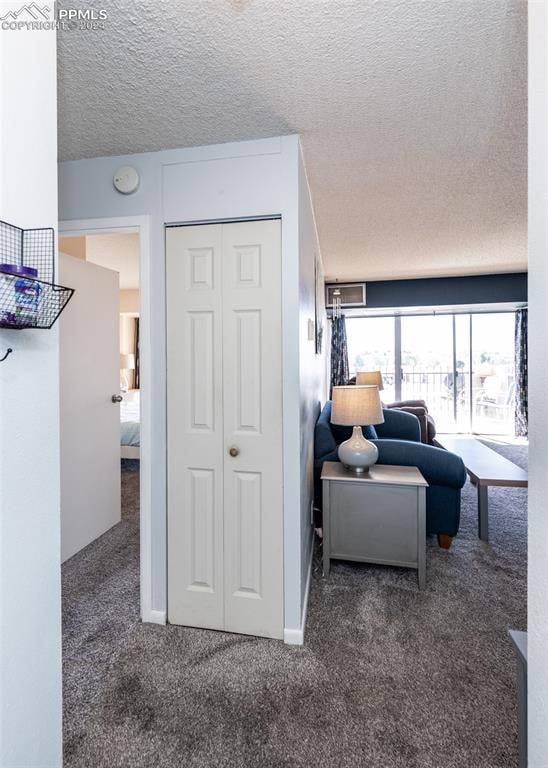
{"x":90,"y":420}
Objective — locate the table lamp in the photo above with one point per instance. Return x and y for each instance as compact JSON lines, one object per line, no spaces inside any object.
{"x":127,"y":363}
{"x":365,"y":378}
{"x":353,"y":406}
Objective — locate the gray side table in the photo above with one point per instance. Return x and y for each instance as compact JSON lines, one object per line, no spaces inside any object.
{"x":376,"y":518}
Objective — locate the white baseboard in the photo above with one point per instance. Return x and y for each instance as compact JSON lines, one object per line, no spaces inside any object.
{"x":293,"y":636}
{"x":296,"y":636}
{"x":154,"y":617}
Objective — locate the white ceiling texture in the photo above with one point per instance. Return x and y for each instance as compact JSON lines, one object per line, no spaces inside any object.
{"x":412,"y":113}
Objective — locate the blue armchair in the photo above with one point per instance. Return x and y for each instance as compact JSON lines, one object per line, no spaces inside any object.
{"x":398,"y":442}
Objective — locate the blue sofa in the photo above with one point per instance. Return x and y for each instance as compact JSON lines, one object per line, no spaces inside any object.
{"x":398,"y":442}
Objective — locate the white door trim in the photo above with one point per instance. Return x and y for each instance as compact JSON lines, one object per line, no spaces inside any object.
{"x":141,"y":224}
{"x":296,"y":636}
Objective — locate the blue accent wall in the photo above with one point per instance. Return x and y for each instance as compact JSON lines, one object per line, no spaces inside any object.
{"x":439,"y":291}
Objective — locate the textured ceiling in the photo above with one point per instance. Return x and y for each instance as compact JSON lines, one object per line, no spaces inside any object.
{"x":412,"y":114}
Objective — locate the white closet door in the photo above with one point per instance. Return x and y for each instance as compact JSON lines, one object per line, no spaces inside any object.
{"x":225,"y":516}
{"x":252,"y":406}
{"x":195,"y":426}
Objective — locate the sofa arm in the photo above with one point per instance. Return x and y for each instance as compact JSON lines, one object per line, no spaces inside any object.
{"x":439,"y":467}
{"x":399,"y":425}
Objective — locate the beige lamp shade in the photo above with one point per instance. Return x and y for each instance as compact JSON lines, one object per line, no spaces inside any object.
{"x":356,"y":406}
{"x":127,"y":362}
{"x":365,"y":378}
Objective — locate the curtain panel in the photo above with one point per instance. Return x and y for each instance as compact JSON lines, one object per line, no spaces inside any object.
{"x":520,"y":338}
{"x":339,"y":352}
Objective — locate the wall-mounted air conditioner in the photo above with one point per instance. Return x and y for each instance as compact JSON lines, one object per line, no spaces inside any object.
{"x":349,"y":294}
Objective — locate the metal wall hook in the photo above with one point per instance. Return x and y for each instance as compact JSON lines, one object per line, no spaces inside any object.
{"x":9,"y":350}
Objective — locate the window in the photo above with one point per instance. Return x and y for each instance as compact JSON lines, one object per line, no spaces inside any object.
{"x":371,"y":347}
{"x":462,"y":365}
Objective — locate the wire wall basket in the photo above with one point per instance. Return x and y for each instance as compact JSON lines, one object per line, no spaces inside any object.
{"x":29,"y":297}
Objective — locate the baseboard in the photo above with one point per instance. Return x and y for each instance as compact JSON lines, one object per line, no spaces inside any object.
{"x":154,"y":617}
{"x":293,"y":636}
{"x":307,"y":587}
{"x":296,"y":636}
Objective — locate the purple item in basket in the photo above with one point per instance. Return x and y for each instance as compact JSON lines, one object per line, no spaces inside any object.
{"x":20,"y":300}
{"x":16,"y":269}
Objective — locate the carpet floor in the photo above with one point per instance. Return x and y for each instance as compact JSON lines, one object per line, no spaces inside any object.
{"x":389,"y":677}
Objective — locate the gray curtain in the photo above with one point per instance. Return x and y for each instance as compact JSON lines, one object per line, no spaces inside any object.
{"x":339,"y":352}
{"x":520,"y":338}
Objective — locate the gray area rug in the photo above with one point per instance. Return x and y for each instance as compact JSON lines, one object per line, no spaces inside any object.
{"x":389,"y":677}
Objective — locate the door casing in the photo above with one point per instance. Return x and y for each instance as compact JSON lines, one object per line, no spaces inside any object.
{"x":125,"y":225}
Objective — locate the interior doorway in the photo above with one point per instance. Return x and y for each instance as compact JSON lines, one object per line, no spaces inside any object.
{"x":99,"y":368}
{"x":105,"y":248}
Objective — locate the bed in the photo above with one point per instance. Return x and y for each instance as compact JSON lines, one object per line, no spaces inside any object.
{"x":130,"y":426}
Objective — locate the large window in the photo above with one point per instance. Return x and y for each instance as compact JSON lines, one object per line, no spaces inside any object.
{"x":427,"y":363}
{"x":371,"y":348}
{"x":462,"y":365}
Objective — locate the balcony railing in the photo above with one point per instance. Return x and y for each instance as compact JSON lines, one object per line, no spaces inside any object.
{"x":484,"y":401}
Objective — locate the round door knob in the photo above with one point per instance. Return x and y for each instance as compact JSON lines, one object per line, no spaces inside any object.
{"x":234,"y":451}
{"x":117,"y":398}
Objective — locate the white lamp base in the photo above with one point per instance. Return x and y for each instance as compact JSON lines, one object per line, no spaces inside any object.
{"x":357,"y":453}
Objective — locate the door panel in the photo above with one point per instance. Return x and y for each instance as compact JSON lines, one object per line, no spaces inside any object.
{"x":253,"y":424}
{"x":194,"y":427}
{"x":493,"y":370}
{"x":89,"y":420}
{"x":225,"y":550}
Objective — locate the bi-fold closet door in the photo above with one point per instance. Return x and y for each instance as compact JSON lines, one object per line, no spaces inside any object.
{"x":224,"y":421}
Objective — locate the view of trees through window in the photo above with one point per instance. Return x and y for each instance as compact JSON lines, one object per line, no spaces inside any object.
{"x":461,"y":365}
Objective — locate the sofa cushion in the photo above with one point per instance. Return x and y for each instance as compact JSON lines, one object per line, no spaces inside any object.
{"x":399,"y":425}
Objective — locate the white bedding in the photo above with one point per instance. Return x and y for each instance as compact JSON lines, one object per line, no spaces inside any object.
{"x":130,"y":419}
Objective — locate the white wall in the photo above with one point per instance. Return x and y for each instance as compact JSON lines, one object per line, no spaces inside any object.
{"x":129,"y":302}
{"x":244,"y":179}
{"x":311,"y":365}
{"x":30,"y":605}
{"x":538,"y":376}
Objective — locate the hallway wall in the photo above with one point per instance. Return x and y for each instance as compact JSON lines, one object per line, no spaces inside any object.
{"x":30,"y":597}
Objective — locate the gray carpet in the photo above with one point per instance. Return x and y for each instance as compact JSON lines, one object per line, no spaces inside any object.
{"x":388,"y":677}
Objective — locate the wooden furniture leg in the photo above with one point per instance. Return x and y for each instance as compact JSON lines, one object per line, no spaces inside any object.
{"x":444,"y":540}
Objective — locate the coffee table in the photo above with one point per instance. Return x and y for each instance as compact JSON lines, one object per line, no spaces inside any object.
{"x":484,"y":467}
